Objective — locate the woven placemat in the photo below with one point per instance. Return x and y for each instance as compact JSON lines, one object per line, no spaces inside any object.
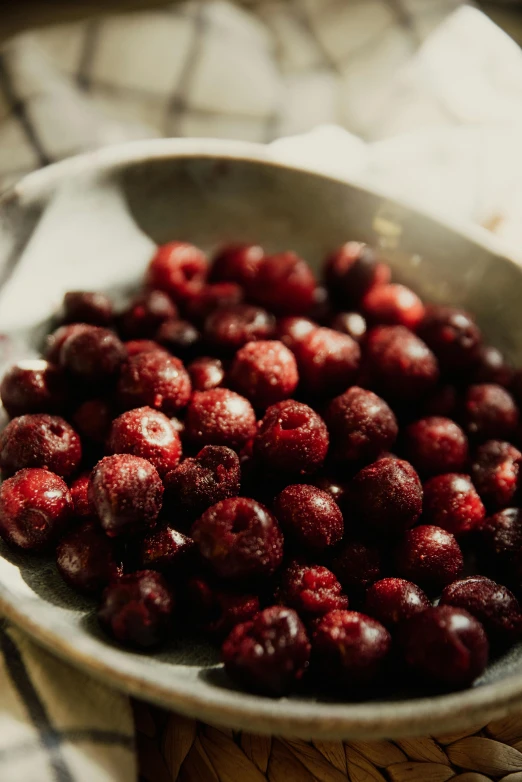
{"x":173,"y":748}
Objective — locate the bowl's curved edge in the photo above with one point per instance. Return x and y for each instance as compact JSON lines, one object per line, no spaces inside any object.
{"x":439,"y":714}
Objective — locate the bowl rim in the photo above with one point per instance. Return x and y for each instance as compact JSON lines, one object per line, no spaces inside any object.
{"x":305,"y":718}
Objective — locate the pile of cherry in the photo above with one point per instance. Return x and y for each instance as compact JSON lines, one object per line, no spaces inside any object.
{"x":302,"y":472}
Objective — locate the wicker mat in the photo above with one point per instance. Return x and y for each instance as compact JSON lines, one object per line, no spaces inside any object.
{"x":174,"y":748}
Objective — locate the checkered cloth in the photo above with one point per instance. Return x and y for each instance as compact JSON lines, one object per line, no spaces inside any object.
{"x":422,"y":98}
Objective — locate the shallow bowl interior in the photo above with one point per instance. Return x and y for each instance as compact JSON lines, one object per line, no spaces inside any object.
{"x":92,"y":222}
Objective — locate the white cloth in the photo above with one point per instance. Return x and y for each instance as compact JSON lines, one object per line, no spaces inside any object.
{"x":413,"y":96}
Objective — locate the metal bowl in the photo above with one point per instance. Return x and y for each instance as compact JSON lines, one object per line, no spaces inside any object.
{"x":92,"y":222}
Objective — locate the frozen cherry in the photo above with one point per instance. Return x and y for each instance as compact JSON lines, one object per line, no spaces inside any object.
{"x":387,"y":495}
{"x":490,"y":412}
{"x":239,"y":538}
{"x":265,"y":372}
{"x":357,"y":565}
{"x":93,"y":354}
{"x":135,"y":346}
{"x":85,"y":559}
{"x":229,"y":328}
{"x":146,"y":313}
{"x":492,"y":367}
{"x":445,"y":645}
{"x":293,"y":330}
{"x":310,"y":516}
{"x":332,"y":486}
{"x":136,"y":609}
{"x":93,"y":419}
{"x":502,"y":541}
{"x":284,"y":284}
{"x":328,"y":361}
{"x":435,"y":445}
{"x":83,"y":507}
{"x":349,"y":649}
{"x":451,"y":502}
{"x":33,"y":386}
{"x":180,"y":337}
{"x":35,"y":506}
{"x":495,"y":607}
{"x":87,"y":307}
{"x":217,"y":610}
{"x":361,"y":425}
{"x":147,"y":433}
{"x":237,"y":263}
{"x":219,"y":417}
{"x":495,"y":472}
{"x":399,"y":363}
{"x":211,"y":297}
{"x":453,"y":336}
{"x":154,"y":380}
{"x":429,"y":556}
{"x":392,"y":600}
{"x":55,"y":340}
{"x":196,"y":484}
{"x":165,"y":550}
{"x":394,"y":304}
{"x":179,"y":269}
{"x":269,"y":654}
{"x":352,"y":270}
{"x":40,"y":440}
{"x":311,"y":590}
{"x":127,"y":493}
{"x":206,"y":373}
{"x":291,"y":438}
{"x":351,"y":323}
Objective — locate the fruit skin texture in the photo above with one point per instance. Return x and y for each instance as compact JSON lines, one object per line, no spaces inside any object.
{"x":451,"y":502}
{"x":87,"y":307}
{"x":436,"y":445}
{"x":55,"y":340}
{"x":349,"y":649}
{"x":312,"y":590}
{"x":135,"y":346}
{"x":310,"y":516}
{"x":219,"y":417}
{"x":393,"y":304}
{"x":387,"y":495}
{"x":328,"y":361}
{"x":85,"y":559}
{"x":127,"y":493}
{"x":147,"y":433}
{"x":353,"y":269}
{"x":33,"y":387}
{"x":229,"y":328}
{"x":445,"y":645}
{"x":179,"y":269}
{"x":351,"y":323}
{"x":453,"y":336}
{"x":216,"y":610}
{"x":357,"y":565}
{"x":145,"y":314}
{"x":137,"y":609}
{"x":40,"y":440}
{"x":392,"y":600}
{"x":495,"y":472}
{"x":268,"y":654}
{"x":292,"y":438}
{"x":93,"y":354}
{"x":400,"y":365}
{"x":490,"y":412}
{"x":206,"y":373}
{"x":79,"y":489}
{"x":495,"y":607}
{"x":265,"y":372}
{"x":93,"y":419}
{"x":154,"y":380}
{"x":284,"y":284}
{"x":35,"y":507}
{"x":237,"y":263}
{"x":197,"y":483}
{"x":429,"y":556}
{"x":361,"y":425}
{"x":165,"y":550}
{"x":502,"y":543}
{"x":239,"y":538}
